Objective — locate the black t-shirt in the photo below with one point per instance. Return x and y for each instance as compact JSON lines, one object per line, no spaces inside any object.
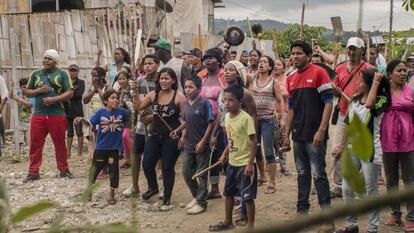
{"x":76,"y":106}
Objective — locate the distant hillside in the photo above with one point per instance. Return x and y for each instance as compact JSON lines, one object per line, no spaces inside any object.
{"x":221,"y":24}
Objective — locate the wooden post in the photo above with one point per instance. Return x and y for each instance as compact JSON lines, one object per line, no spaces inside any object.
{"x":14,"y":109}
{"x":390,"y":32}
{"x":302,"y":21}
{"x":199,"y":36}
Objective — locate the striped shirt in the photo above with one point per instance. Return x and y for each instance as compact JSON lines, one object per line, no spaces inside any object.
{"x":145,"y":86}
{"x":264,"y":98}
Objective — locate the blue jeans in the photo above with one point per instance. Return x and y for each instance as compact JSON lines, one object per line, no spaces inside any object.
{"x":265,"y":136}
{"x":165,"y":148}
{"x":193,"y":163}
{"x":370,"y":171}
{"x":310,"y":161}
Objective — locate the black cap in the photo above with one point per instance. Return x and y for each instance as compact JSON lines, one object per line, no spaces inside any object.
{"x":196,"y":52}
{"x":214,"y":52}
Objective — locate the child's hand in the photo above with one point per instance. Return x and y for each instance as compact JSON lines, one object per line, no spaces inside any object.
{"x":200,"y":147}
{"x":213,"y":142}
{"x":77,"y":120}
{"x":222,"y":160}
{"x":249,"y":169}
{"x":147,"y":119}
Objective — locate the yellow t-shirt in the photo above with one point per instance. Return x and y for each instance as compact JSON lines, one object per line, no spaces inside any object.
{"x":239,"y":129}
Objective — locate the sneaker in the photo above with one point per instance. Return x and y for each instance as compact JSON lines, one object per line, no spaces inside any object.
{"x":66,"y":174}
{"x":31,"y":177}
{"x":166,"y":205}
{"x":348,"y":229}
{"x":196,"y":209}
{"x":129,"y":191}
{"x":148,"y":194}
{"x":191,"y":204}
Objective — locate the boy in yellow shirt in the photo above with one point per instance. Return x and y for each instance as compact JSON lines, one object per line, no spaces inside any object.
{"x":241,"y":150}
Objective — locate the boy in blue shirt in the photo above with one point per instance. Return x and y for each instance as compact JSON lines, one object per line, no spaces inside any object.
{"x":111,"y":122}
{"x":198,"y":117}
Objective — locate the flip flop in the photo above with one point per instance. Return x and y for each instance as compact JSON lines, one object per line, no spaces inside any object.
{"x":270,"y":190}
{"x":261,"y":182}
{"x":111,"y":201}
{"x":220,"y":227}
{"x":409,"y":227}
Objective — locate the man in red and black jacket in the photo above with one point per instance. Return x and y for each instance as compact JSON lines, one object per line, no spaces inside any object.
{"x":310,"y":106}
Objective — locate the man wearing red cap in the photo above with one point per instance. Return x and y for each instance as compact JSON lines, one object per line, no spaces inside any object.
{"x":50,"y":87}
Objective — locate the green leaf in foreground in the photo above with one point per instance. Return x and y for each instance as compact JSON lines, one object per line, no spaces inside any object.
{"x":30,"y":210}
{"x":351,"y":173}
{"x":87,"y":194}
{"x":360,"y":138}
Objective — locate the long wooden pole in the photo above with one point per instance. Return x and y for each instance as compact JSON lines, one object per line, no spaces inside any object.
{"x":14,"y":108}
{"x":302,"y":21}
{"x":390,"y":31}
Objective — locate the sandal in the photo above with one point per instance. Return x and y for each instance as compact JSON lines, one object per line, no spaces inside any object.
{"x":148,"y":194}
{"x":270,"y":190}
{"x":409,"y":227}
{"x":220,"y":227}
{"x":261,"y":182}
{"x":393,"y":221}
{"x":111,"y":201}
{"x":241,"y":220}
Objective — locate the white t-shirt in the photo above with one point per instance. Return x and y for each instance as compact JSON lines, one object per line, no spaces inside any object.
{"x":373,"y":121}
{"x":4,"y":92}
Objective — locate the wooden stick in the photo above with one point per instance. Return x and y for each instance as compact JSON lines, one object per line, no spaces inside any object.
{"x":302,"y":21}
{"x":200,"y":173}
{"x":163,"y":121}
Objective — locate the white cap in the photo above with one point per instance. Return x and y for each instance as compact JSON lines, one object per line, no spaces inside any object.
{"x":411,"y":57}
{"x":52,"y":54}
{"x":356,"y":42}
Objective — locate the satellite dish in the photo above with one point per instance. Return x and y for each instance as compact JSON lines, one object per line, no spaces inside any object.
{"x":165,"y":5}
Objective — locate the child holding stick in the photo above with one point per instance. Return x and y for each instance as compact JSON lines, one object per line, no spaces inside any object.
{"x":241,"y":150}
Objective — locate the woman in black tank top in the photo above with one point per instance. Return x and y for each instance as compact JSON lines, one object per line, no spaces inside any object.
{"x":167,"y":105}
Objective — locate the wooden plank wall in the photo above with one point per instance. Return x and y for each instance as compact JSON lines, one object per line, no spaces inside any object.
{"x":76,"y":34}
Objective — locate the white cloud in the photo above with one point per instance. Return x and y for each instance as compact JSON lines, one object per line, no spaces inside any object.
{"x":319,"y":12}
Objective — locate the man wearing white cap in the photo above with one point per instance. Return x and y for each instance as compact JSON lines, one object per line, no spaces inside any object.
{"x":50,"y":86}
{"x":348,"y":76}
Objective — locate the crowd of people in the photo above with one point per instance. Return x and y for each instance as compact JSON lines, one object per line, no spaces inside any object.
{"x":241,"y":116}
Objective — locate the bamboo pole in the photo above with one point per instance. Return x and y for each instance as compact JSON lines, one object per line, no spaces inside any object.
{"x":347,"y":209}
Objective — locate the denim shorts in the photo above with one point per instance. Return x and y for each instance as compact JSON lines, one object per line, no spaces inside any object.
{"x":237,"y":183}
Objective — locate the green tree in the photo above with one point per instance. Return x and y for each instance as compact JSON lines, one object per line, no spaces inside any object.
{"x":408,"y":5}
{"x":286,"y":37}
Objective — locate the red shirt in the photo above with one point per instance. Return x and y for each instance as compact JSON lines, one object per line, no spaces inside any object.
{"x":352,"y":87}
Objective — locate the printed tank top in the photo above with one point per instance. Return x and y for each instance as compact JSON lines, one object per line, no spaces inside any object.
{"x":169,"y":112}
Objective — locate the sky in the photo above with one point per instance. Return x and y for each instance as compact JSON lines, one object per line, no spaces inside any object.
{"x":318,"y":12}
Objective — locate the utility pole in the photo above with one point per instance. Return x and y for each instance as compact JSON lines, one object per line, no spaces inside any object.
{"x":390,"y":31}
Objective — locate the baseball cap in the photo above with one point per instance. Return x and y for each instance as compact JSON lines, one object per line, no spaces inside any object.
{"x":162,"y":44}
{"x":196,"y":52}
{"x":244,"y":53}
{"x":73,"y":67}
{"x":356,"y":42}
{"x":411,"y":56}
